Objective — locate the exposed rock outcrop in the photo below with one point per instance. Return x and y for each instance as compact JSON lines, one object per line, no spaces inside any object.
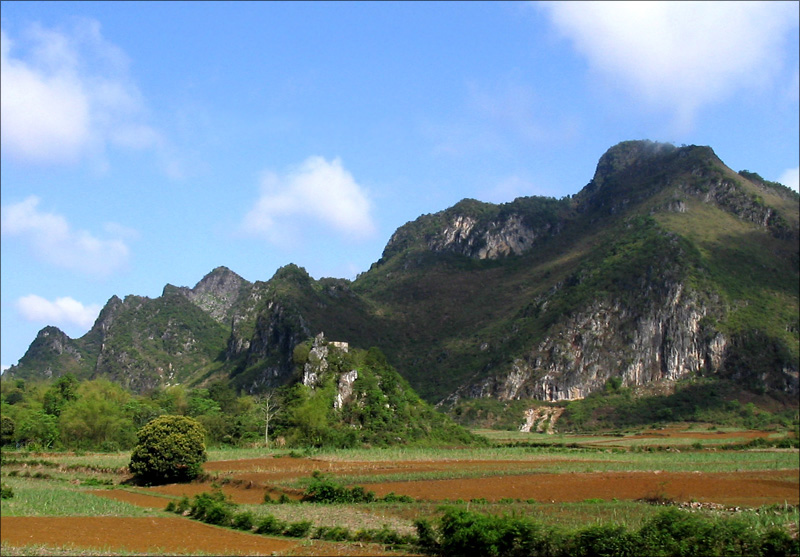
{"x":664,"y":340}
{"x":216,"y":293}
{"x":541,"y":419}
{"x":491,"y":240}
{"x":277,"y":331}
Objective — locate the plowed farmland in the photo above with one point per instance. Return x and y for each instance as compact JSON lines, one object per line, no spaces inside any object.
{"x":140,"y":535}
{"x":255,"y":477}
{"x":551,"y":479}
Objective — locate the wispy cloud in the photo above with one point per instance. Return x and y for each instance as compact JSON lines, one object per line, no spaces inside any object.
{"x":62,"y":311}
{"x":316,"y":192}
{"x":679,"y":55}
{"x":501,"y":117}
{"x":508,"y":188}
{"x":791,"y":178}
{"x":53,"y":240}
{"x":68,"y":96}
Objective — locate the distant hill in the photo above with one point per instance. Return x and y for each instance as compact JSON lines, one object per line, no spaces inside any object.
{"x":666,"y":265}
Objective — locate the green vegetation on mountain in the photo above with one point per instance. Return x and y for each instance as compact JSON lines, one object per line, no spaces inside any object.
{"x":666,"y":266}
{"x":343,"y":397}
{"x":350,"y":397}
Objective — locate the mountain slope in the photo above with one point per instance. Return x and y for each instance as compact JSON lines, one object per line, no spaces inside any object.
{"x":667,"y":264}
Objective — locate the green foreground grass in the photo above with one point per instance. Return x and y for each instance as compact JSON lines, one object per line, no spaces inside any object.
{"x":36,"y":497}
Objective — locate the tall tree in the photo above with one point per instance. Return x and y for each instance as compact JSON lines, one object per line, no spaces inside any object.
{"x":270,"y":405}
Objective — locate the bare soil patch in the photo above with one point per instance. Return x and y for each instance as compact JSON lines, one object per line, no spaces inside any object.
{"x":737,"y":488}
{"x":143,"y":535}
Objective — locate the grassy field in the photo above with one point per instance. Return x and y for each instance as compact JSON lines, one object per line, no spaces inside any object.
{"x":36,"y":497}
{"x":72,"y":485}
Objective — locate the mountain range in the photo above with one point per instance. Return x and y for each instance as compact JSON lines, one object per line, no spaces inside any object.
{"x":667,"y":265}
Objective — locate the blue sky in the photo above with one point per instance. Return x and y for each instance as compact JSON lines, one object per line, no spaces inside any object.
{"x":148,"y":143}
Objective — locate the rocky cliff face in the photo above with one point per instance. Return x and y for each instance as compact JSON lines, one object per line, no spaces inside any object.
{"x":481,"y":230}
{"x":317,"y":365}
{"x":217,"y":293}
{"x":494,"y":239}
{"x":664,"y":339}
{"x":277,"y":332}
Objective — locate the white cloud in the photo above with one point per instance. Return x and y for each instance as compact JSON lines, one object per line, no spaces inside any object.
{"x":63,"y":311}
{"x":68,"y":95}
{"x":53,"y":240}
{"x":679,"y":55}
{"x":317,"y":191}
{"x":791,"y":178}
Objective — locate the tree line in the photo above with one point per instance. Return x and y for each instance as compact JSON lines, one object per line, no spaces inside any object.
{"x":66,"y":413}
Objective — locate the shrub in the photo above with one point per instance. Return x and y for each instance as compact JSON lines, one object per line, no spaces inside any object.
{"x":333,"y":533}
{"x":468,"y":533}
{"x":392,"y":497}
{"x":182,"y":505}
{"x":605,"y":540}
{"x":243,"y":521}
{"x":324,"y":490}
{"x":777,"y":542}
{"x":219,"y":514}
{"x":6,"y":492}
{"x":673,"y":532}
{"x":270,"y":525}
{"x":213,"y":508}
{"x":298,"y":529}
{"x":170,"y":449}
{"x":670,"y":533}
{"x":427,"y":537}
{"x":284,"y":499}
{"x":388,"y":536}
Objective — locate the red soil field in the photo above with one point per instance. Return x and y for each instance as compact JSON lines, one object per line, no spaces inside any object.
{"x":252,"y":479}
{"x":155,"y":536}
{"x":144,"y":535}
{"x":736,"y":488}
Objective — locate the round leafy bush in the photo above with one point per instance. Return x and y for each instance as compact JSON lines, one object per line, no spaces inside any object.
{"x":170,"y":449}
